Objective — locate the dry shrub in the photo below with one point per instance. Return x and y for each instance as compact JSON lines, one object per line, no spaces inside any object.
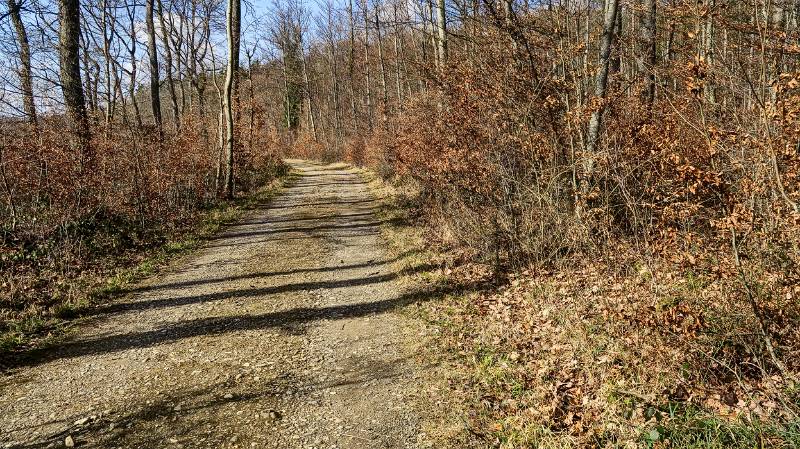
{"x":668,"y":287}
{"x":305,"y":146}
{"x":491,"y":157}
{"x":65,"y":218}
{"x":355,"y":150}
{"x":380,"y":153}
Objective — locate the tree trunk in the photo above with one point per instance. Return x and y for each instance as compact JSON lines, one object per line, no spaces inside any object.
{"x":24,"y":62}
{"x":616,"y":50}
{"x":337,"y":120}
{"x":351,"y":67}
{"x":308,"y":91}
{"x":441,"y":30}
{"x":601,"y":82}
{"x":131,"y":11}
{"x":233,"y":28}
{"x":168,"y":68}
{"x":155,"y":95}
{"x":648,"y":51}
{"x":384,"y":89}
{"x":70,"y":74}
{"x":367,"y":77}
{"x":707,"y":50}
{"x":398,"y":57}
{"x":251,"y":99}
{"x":109,"y":113}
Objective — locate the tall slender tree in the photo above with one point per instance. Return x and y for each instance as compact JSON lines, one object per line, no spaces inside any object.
{"x":165,"y":33}
{"x":24,"y":71}
{"x":233,"y":30}
{"x":155,"y":83}
{"x":601,"y":83}
{"x":441,"y":32}
{"x":648,"y":53}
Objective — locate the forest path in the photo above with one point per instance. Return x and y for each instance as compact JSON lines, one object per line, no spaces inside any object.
{"x":279,"y":333}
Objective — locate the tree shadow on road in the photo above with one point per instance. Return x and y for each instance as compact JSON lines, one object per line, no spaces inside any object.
{"x":219,"y":325}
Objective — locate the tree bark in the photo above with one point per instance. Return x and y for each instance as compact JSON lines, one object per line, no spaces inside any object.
{"x":441,"y":30}
{"x":398,"y":57}
{"x":70,"y":74}
{"x":233,"y":28}
{"x":131,"y":12}
{"x":601,"y":82}
{"x":648,"y":51}
{"x":367,"y":75}
{"x":307,"y":84}
{"x":168,"y":67}
{"x":155,"y":95}
{"x":708,"y":50}
{"x":109,"y":112}
{"x":382,"y":65}
{"x":24,"y":71}
{"x":351,"y":66}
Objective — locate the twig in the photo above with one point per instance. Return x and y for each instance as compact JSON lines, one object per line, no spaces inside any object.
{"x":356,"y":437}
{"x":9,"y":192}
{"x":763,"y":330}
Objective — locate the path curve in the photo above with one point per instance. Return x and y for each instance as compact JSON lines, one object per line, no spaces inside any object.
{"x":280,"y":333}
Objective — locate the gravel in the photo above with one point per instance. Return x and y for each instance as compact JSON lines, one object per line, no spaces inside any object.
{"x":282,"y":332}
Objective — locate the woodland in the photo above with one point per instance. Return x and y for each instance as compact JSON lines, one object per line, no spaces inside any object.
{"x":621,"y":178}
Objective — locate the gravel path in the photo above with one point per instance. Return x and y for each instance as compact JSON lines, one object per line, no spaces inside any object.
{"x":279,"y":333}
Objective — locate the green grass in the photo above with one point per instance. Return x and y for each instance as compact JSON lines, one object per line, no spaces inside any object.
{"x":689,"y":427}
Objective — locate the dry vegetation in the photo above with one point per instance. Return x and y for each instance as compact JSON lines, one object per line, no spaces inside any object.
{"x":620,"y":178}
{"x":659,"y":305}
{"x":78,"y":232}
{"x":618,"y":350}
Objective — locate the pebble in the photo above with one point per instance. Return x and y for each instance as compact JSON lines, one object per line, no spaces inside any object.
{"x":335,"y":357}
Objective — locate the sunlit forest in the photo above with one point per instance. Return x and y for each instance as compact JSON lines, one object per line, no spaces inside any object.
{"x":612,"y":187}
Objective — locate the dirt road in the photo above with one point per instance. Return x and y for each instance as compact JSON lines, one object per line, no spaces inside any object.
{"x":282,"y":332}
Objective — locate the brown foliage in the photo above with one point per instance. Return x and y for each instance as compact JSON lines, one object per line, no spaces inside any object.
{"x":66,"y":218}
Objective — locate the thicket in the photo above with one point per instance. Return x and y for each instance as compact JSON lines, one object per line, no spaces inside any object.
{"x":99,"y":173}
{"x":71,"y":219}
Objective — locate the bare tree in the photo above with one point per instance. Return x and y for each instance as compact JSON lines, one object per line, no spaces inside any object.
{"x":71,"y":84}
{"x":155,"y":84}
{"x":168,"y":66}
{"x":441,"y":33}
{"x":601,"y":82}
{"x":648,"y":50}
{"x":233,"y":28}
{"x":24,"y":70}
{"x":367,"y":74}
{"x":382,"y":65}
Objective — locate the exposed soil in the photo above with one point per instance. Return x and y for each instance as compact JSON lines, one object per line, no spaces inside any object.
{"x":282,"y":332}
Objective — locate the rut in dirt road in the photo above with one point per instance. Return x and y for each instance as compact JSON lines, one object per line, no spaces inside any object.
{"x":282,"y":332}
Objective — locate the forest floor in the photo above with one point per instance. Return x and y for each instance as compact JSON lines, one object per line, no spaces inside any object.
{"x":284,"y":331}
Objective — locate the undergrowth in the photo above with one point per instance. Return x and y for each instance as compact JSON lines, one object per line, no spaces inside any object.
{"x":621,"y":350}
{"x":60,"y":286}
